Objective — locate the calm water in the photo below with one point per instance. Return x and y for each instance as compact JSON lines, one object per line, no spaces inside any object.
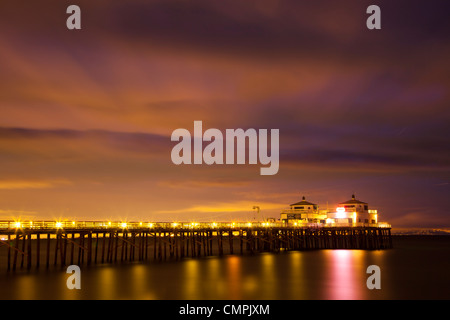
{"x":417,"y":268}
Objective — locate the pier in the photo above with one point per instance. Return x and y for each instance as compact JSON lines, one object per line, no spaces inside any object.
{"x":45,"y":244}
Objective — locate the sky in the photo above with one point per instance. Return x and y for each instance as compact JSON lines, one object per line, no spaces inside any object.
{"x":86,"y":115}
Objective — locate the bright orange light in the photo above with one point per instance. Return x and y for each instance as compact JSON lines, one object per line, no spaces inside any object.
{"x":123,"y":225}
{"x":58,"y":225}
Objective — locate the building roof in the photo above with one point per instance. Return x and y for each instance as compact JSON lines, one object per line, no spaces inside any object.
{"x":353,"y":201}
{"x":303,"y":202}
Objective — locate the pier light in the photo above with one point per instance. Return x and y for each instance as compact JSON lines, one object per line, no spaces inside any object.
{"x":150,"y":225}
{"x":249,"y":224}
{"x":233,"y":224}
{"x":214,"y":224}
{"x":140,"y":223}
{"x":17,"y":224}
{"x":174,"y":224}
{"x":340,"y":212}
{"x":109,"y":223}
{"x":58,"y":225}
{"x":73,"y":223}
{"x":295,"y":224}
{"x":123,"y":225}
{"x":354,"y":217}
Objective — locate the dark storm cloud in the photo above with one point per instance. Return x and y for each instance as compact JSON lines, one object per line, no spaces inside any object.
{"x":335,"y":30}
{"x":368,"y":160}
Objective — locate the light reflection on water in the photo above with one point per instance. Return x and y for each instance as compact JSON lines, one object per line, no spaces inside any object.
{"x":345,"y":278}
{"x":321,"y":274}
{"x":294,"y":275}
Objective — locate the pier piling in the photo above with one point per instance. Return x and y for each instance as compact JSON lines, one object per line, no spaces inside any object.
{"x":98,"y":245}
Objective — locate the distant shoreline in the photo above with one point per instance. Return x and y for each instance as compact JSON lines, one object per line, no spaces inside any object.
{"x":420,"y":231}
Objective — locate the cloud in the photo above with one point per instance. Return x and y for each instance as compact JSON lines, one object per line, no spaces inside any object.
{"x":217,"y":210}
{"x":216,"y":183}
{"x":31,"y":184}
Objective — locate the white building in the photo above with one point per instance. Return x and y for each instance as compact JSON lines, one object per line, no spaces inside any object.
{"x":353,"y":211}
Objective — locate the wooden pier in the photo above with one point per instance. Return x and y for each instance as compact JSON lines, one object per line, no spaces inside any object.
{"x":84,"y":246}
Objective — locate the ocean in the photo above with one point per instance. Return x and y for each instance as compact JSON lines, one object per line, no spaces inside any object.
{"x":416,"y":268}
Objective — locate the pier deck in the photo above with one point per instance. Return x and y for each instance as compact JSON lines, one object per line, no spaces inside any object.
{"x":50,"y":245}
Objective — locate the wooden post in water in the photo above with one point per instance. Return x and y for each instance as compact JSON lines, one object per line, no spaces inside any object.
{"x":29,"y":251}
{"x":154,"y":245}
{"x":16,"y":246}
{"x":23,"y":249}
{"x":122,"y":251}
{"x":56,"y":248}
{"x":230,"y":239}
{"x":65,"y":248}
{"x":133,"y":246}
{"x":89,"y":248}
{"x":96,"y":247}
{"x":47,"y":258}
{"x":159,"y":246}
{"x":72,"y":247}
{"x":103,"y":247}
{"x":220,"y":240}
{"x":115,"y":244}
{"x":146,"y":245}
{"x":9,"y":252}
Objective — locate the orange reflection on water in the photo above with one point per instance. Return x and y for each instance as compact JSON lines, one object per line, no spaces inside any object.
{"x":345,"y":279}
{"x":234,"y":276}
{"x":192,"y":278}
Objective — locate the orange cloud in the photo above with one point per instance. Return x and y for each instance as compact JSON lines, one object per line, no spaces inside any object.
{"x":31,"y":184}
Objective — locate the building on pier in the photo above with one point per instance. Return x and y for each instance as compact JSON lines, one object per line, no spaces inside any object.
{"x":352,"y":212}
{"x":303,"y":212}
